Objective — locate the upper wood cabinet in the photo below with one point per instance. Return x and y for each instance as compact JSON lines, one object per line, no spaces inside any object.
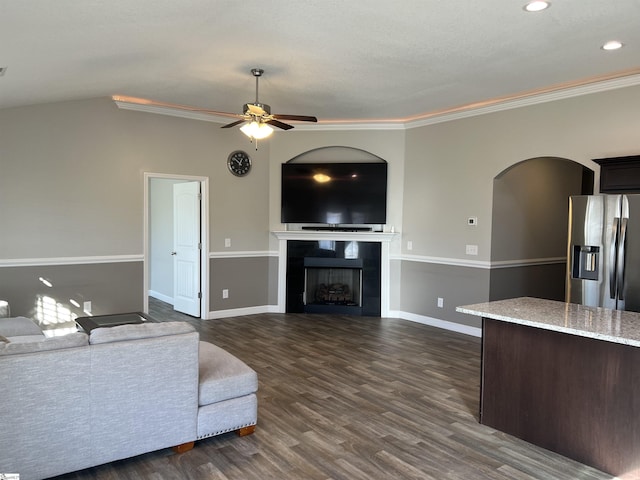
{"x":619,"y":174}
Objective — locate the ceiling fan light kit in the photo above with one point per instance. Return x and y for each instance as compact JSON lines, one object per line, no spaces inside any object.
{"x":256,"y":130}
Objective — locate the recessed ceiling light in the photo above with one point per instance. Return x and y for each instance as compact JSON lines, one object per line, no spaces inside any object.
{"x":612,"y":45}
{"x":536,"y":6}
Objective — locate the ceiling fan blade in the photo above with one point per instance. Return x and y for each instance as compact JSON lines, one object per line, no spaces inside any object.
{"x":215,"y":112}
{"x":279,"y":124}
{"x":155,"y":103}
{"x":233,"y":124}
{"x":299,"y":118}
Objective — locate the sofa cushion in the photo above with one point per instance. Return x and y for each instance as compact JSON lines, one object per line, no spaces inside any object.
{"x":138,"y":331}
{"x":222,"y":376}
{"x":52,"y":343}
{"x":18,"y":326}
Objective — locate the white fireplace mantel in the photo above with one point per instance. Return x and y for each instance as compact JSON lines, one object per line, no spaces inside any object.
{"x":334,"y":235}
{"x":384,"y":238}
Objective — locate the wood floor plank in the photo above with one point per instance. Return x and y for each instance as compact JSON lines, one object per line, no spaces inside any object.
{"x":351,"y":398}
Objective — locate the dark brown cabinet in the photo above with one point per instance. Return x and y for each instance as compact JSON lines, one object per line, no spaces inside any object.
{"x":619,"y":174}
{"x":573,"y":395}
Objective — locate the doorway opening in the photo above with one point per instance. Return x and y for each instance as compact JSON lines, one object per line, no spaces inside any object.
{"x":176,"y":266}
{"x":529,"y":226}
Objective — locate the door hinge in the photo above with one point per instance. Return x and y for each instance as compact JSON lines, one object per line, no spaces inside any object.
{"x":200,"y":295}
{"x":199,"y":196}
{"x":200,"y":246}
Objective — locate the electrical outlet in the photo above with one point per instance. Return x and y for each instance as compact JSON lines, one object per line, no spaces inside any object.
{"x":409,"y":245}
{"x":440,"y":302}
{"x":227,"y":242}
{"x":225,"y":293}
{"x":472,"y":249}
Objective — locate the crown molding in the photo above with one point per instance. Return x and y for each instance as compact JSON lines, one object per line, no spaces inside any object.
{"x":162,"y":110}
{"x":527,"y":99}
{"x":551,"y":94}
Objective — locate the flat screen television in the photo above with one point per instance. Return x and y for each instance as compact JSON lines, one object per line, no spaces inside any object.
{"x":334,"y":193}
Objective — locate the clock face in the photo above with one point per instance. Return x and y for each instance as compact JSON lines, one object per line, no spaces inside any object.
{"x":239,"y":163}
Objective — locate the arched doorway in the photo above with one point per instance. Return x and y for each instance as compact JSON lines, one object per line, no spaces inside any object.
{"x":529,"y":226}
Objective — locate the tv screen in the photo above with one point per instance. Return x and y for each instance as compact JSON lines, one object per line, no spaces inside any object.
{"x":334,"y":193}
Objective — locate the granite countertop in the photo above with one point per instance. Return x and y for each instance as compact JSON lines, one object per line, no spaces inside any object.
{"x":592,"y":322}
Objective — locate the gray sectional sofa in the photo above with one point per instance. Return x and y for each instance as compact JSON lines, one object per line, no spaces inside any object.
{"x":80,"y":400}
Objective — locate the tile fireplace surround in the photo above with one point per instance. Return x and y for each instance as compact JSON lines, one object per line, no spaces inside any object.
{"x":384,"y":238}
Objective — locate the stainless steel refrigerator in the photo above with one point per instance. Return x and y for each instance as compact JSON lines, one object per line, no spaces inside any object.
{"x":603,"y":257}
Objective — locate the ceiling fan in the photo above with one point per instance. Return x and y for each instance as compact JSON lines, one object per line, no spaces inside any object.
{"x":257,"y":117}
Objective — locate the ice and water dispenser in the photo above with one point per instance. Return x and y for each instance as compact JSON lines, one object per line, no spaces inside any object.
{"x":585,"y":262}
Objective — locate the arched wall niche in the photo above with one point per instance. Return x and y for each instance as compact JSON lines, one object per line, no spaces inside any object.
{"x":529,"y":226}
{"x":335,"y":154}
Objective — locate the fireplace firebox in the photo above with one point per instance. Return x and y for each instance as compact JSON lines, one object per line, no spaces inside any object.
{"x":332,"y":285}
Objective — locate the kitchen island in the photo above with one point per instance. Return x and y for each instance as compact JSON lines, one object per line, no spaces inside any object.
{"x":565,"y":377}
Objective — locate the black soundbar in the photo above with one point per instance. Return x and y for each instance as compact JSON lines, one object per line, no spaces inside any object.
{"x":337,"y":229}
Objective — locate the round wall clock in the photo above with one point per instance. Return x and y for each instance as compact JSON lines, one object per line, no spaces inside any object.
{"x":239,"y":163}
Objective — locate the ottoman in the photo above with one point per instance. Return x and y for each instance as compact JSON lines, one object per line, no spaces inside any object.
{"x":226,"y":394}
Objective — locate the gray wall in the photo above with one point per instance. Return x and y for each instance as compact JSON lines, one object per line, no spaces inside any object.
{"x":72,"y":193}
{"x":448,"y":176}
{"x":246,"y":279}
{"x":72,"y":187}
{"x":110,"y":287}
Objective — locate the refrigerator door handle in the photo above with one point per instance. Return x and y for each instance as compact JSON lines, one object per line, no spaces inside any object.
{"x":621,"y":257}
{"x":612,"y":258}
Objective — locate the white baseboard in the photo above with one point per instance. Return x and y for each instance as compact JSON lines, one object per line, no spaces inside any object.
{"x":238,"y":312}
{"x":435,"y":322}
{"x":160,"y":296}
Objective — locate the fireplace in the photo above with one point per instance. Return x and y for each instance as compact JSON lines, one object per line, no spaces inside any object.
{"x":333,"y":285}
{"x":327,"y":276}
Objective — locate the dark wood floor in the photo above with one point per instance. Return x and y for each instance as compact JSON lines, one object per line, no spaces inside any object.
{"x":351,"y":398}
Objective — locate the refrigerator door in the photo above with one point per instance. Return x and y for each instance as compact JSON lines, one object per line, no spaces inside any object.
{"x":629,"y":251}
{"x":592,"y":253}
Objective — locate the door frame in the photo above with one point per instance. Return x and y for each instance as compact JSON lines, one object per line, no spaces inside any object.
{"x":204,"y":237}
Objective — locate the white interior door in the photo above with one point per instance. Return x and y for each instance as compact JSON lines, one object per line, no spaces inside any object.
{"x":186,"y":248}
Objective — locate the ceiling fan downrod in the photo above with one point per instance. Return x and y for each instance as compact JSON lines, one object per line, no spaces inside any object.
{"x":257,"y":72}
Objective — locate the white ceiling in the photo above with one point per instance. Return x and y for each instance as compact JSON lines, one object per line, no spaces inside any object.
{"x":335,"y":59}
